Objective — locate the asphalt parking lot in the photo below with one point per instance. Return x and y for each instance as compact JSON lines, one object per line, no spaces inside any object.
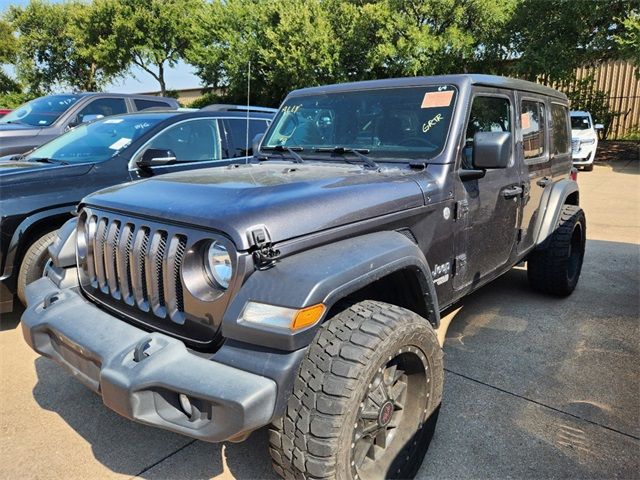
{"x":535,"y":387}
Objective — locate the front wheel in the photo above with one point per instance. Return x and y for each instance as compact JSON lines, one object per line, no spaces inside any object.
{"x":556,"y":268}
{"x":365,"y":400}
{"x":33,"y":263}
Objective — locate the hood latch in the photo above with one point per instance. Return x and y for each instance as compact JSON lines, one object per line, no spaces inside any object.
{"x":264,"y":253}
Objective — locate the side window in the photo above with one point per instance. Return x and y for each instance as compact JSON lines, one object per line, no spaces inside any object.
{"x":237,"y":130}
{"x":190,"y":141}
{"x":488,"y":114}
{"x":559,"y":129}
{"x":142,"y":104}
{"x":104,"y":107}
{"x":533,"y":128}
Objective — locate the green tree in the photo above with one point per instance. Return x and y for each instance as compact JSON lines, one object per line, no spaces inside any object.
{"x":8,"y":53}
{"x":153,"y":34}
{"x":549,"y":39}
{"x":59,"y":44}
{"x":628,"y":41}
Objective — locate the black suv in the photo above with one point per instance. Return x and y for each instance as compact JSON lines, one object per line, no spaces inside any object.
{"x":304,"y":291}
{"x":40,"y":120}
{"x":40,"y":190}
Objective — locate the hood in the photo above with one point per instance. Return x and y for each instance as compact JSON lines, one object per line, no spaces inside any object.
{"x":15,"y":172}
{"x":290,"y":200}
{"x":589,"y":133}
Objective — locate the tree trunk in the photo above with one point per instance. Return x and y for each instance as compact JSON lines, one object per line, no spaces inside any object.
{"x":163,"y":86}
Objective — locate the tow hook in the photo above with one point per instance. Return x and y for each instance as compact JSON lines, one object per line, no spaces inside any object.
{"x":50,"y":299}
{"x":140,"y":350}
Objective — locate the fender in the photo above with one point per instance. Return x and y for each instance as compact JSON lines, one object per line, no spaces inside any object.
{"x":326,"y":274}
{"x":550,"y":208}
{"x":24,"y":227}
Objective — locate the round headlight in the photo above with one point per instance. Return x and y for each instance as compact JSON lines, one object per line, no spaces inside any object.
{"x":217,"y":264}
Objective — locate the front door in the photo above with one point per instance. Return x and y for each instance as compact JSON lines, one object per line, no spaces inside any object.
{"x":487,"y":208}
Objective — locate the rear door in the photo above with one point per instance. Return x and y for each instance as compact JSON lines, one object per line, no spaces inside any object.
{"x":535,"y":162}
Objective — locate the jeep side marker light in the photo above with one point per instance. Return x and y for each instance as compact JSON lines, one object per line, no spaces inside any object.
{"x":281,"y":317}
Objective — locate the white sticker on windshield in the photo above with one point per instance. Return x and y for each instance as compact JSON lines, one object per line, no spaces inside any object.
{"x":114,"y":120}
{"x":123,"y":142}
{"x":42,"y":122}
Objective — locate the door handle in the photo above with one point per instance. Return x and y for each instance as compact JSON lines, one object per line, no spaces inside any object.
{"x":543,"y":182}
{"x":511,"y":192}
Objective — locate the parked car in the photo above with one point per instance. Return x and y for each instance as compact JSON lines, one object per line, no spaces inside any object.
{"x":304,"y":291}
{"x":584,"y":139}
{"x":40,"y":190}
{"x":40,"y":120}
{"x":4,"y":111}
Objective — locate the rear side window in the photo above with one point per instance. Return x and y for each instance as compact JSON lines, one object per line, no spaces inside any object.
{"x":142,"y":104}
{"x":237,"y":131}
{"x":560,"y":129}
{"x":533,"y":128}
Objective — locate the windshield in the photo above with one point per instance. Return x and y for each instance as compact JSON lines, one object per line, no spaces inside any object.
{"x":97,"y":141}
{"x":580,"y":122}
{"x":42,"y":111}
{"x":391,"y":123}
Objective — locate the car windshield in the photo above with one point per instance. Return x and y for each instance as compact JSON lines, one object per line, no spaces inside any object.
{"x":42,"y":111}
{"x":390,"y":124}
{"x":580,"y":122}
{"x":97,"y":141}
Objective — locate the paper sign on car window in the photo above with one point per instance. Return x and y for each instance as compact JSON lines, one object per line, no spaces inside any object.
{"x":525,"y":120}
{"x":123,"y":142}
{"x":437,"y":99}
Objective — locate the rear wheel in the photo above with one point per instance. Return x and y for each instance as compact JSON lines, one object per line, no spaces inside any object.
{"x":556,"y":268}
{"x":33,"y":263}
{"x":365,"y":400}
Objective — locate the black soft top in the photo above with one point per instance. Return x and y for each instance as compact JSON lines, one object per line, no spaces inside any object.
{"x":460,"y":80}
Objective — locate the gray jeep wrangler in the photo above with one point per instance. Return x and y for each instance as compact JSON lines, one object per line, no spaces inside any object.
{"x":303,"y":290}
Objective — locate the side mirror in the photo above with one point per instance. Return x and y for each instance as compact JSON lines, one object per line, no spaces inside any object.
{"x":255,"y":144}
{"x":491,"y":150}
{"x":90,"y":117}
{"x":599,"y":126}
{"x":156,"y":156}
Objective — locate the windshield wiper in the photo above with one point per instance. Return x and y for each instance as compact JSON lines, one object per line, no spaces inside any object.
{"x":290,"y":150}
{"x":358,"y":152}
{"x":48,"y":160}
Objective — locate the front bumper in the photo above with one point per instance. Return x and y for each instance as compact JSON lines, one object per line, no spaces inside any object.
{"x":147,"y":377}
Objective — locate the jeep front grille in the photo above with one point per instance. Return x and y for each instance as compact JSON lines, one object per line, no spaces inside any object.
{"x":136,"y":265}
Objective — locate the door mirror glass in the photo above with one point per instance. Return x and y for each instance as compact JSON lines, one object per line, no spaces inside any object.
{"x":491,"y":150}
{"x":90,"y":117}
{"x":155,"y":157}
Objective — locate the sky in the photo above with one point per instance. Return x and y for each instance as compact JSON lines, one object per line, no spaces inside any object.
{"x":179,"y":77}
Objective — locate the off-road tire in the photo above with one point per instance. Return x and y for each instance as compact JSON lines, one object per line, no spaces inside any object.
{"x":316,"y":436}
{"x":33,"y":263}
{"x":556,"y":268}
{"x":588,"y":168}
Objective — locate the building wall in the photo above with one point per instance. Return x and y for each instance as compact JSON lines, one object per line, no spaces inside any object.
{"x":622,"y":86}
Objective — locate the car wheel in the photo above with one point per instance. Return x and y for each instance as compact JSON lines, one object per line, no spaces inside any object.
{"x":556,"y":268}
{"x":588,"y":168}
{"x":365,"y":400}
{"x":33,"y":263}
